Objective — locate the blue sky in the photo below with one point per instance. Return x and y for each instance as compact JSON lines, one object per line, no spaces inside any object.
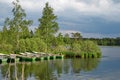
{"x":92,"y":18}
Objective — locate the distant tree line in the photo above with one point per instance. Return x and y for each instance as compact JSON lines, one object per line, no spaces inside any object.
{"x":105,"y":41}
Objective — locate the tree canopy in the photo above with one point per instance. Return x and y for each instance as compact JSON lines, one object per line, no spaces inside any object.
{"x":16,"y":37}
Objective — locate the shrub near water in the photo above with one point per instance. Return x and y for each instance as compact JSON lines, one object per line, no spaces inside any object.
{"x":32,"y":44}
{"x":6,"y":48}
{"x":91,"y":49}
{"x":83,"y":49}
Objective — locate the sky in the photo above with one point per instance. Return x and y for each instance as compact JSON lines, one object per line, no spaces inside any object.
{"x":92,"y":18}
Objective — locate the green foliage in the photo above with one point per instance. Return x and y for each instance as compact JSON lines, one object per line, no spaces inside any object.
{"x":67,"y":39}
{"x":60,"y":39}
{"x":15,"y":36}
{"x":83,"y":49}
{"x":17,"y":27}
{"x":77,"y":36}
{"x":60,"y":49}
{"x":48,"y":25}
{"x":69,"y":54}
{"x":6,"y":48}
{"x":90,"y":47}
{"x":76,"y":48}
{"x":32,"y":44}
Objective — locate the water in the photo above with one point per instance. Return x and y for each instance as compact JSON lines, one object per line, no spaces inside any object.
{"x":106,"y":68}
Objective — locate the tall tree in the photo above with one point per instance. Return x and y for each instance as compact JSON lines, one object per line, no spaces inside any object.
{"x":48,"y":25}
{"x":18,"y":25}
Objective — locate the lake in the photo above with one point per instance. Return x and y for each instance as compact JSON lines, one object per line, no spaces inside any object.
{"x":106,"y":68}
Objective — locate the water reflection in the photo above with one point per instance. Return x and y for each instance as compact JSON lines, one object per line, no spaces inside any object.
{"x":46,"y":70}
{"x":84,"y":64}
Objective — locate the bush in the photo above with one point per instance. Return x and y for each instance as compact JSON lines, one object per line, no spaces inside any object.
{"x":6,"y":48}
{"x":83,"y":49}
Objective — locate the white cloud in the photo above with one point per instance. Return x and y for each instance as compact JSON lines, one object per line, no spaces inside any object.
{"x":71,"y":12}
{"x":105,"y":9}
{"x":96,"y":6}
{"x":68,"y":31}
{"x":6,"y":1}
{"x":101,"y":8}
{"x":32,"y":5}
